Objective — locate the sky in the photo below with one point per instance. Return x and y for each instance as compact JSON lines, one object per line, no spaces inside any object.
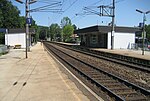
{"x":125,"y":12}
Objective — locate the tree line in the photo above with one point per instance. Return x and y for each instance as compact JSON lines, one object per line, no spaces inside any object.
{"x":56,"y":32}
{"x":63,"y":31}
{"x":10,"y":18}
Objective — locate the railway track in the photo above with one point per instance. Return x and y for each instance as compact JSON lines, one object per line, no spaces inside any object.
{"x":116,"y":88}
{"x":123,"y":60}
{"x":136,"y":74}
{"x":127,"y":59}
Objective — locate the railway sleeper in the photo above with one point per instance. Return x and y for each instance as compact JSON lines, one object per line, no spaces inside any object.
{"x":111,"y":84}
{"x":137,"y":98}
{"x":91,"y":72}
{"x":99,"y":78}
{"x":123,"y":90}
{"x":96,"y":75}
{"x":118,"y":88}
{"x":107,"y":81}
{"x":99,"y":75}
{"x":128,"y":93}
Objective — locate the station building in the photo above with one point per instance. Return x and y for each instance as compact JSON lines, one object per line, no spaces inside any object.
{"x":17,"y":37}
{"x":100,"y":37}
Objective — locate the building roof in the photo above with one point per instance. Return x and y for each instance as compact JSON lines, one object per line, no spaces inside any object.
{"x":19,"y":30}
{"x":106,"y":29}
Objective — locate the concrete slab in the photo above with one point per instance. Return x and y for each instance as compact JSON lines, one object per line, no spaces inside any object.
{"x":36,"y":78}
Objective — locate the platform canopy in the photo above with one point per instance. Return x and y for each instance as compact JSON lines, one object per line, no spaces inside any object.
{"x":106,"y":29}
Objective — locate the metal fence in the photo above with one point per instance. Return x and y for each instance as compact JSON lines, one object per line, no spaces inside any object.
{"x":136,"y":46}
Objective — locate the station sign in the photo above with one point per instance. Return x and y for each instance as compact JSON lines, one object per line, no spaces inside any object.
{"x":29,"y":20}
{"x":3,"y":30}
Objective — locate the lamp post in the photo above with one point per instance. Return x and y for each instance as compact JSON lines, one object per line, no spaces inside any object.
{"x":143,"y":29}
{"x":27,"y":3}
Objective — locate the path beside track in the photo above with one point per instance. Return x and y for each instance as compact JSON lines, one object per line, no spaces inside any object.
{"x":37,"y":78}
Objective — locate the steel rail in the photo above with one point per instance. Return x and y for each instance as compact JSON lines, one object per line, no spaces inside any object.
{"x":122,"y":62}
{"x":137,"y":88}
{"x":118,"y":98}
{"x":128,"y":59}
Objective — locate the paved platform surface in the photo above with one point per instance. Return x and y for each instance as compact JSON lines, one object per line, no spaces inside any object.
{"x":127,"y":52}
{"x":35,"y":79}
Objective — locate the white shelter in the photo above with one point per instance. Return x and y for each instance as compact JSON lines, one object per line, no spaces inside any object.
{"x":100,"y":37}
{"x":17,"y":37}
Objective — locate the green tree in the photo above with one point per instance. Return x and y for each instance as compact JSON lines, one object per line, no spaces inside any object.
{"x":42,"y":32}
{"x":67,"y":32}
{"x":55,"y":32}
{"x":9,"y":15}
{"x":35,"y":27}
{"x":22,"y":22}
{"x":1,"y":18}
{"x":65,"y":21}
{"x":147,"y":28}
{"x":2,"y":38}
{"x":74,"y":27}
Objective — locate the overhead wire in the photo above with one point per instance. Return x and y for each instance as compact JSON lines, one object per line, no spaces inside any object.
{"x":54,"y":17}
{"x":116,"y":2}
{"x":46,"y":1}
{"x":90,"y":11}
{"x":83,"y":13}
{"x":42,"y":8}
{"x":67,"y":8}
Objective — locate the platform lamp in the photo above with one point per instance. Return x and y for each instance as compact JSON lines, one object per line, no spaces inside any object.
{"x":143,"y":29}
{"x":27,"y":3}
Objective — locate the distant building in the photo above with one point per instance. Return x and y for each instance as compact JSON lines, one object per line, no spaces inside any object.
{"x":100,"y":37}
{"x":17,"y":37}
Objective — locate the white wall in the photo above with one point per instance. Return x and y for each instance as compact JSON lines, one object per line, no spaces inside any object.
{"x":109,"y":40}
{"x":121,"y":40}
{"x":15,"y":39}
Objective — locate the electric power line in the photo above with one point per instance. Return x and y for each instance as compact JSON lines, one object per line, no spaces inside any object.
{"x":42,"y":8}
{"x":118,"y":1}
{"x":67,"y":8}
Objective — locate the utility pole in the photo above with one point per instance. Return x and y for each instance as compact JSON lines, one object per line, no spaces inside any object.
{"x":143,"y":29}
{"x":27,"y":2}
{"x":27,"y":28}
{"x":113,"y":26}
{"x":109,"y":11}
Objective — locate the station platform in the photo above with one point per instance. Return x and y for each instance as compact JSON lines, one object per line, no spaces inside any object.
{"x":37,"y":78}
{"x":127,"y":52}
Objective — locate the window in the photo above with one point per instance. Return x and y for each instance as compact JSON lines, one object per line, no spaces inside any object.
{"x":94,"y":39}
